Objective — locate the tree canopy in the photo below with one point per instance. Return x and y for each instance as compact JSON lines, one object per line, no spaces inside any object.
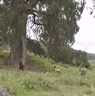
{"x":54,"y":21}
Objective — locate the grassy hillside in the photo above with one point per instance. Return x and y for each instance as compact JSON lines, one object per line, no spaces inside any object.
{"x":50,"y":83}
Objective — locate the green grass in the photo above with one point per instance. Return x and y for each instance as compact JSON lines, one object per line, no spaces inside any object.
{"x":66,"y":83}
{"x":50,"y":83}
{"x":42,"y":63}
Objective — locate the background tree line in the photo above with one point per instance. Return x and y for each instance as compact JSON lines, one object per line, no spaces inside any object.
{"x":64,"y":54}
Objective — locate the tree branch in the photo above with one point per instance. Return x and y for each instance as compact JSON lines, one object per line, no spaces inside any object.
{"x":34,"y":20}
{"x":31,"y":11}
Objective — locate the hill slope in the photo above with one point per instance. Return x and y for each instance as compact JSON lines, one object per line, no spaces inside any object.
{"x":67,"y":82}
{"x":91,"y":56}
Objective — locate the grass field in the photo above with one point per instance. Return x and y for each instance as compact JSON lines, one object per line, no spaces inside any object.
{"x":49,"y":83}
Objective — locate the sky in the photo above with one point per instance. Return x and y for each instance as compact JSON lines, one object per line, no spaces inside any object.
{"x":85,"y":38}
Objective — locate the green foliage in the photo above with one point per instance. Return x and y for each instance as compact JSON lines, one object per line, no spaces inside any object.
{"x":35,"y":47}
{"x":41,"y":63}
{"x":61,"y":22}
{"x":57,"y":23}
{"x":3,"y":54}
{"x":5,"y":21}
{"x":69,"y":56}
{"x":81,"y":59}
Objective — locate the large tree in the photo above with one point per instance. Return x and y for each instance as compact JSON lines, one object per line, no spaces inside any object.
{"x":55,"y":22}
{"x":60,"y":24}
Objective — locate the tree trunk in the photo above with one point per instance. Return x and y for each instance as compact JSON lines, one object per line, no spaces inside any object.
{"x":18,"y":44}
{"x":17,"y":52}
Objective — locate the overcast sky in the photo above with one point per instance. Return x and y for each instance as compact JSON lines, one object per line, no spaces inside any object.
{"x":85,"y":38}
